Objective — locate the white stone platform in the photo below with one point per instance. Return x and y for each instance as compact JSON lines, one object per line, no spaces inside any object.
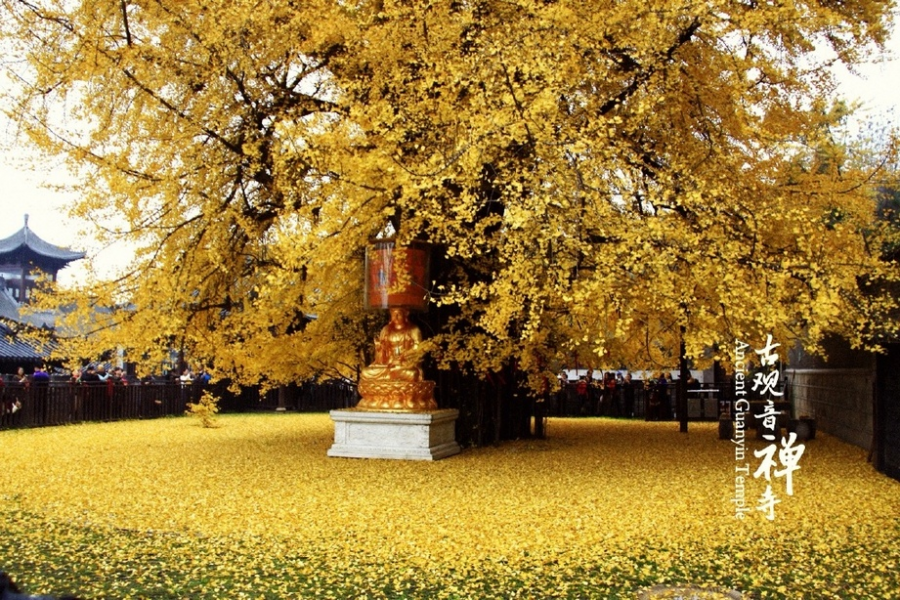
{"x":427,"y":435}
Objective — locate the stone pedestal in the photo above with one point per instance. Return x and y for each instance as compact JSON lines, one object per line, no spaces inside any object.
{"x":427,"y":435}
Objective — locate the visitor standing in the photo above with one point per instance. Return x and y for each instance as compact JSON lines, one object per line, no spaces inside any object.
{"x":662,"y":388}
{"x":581,"y":394}
{"x":40,"y":376}
{"x":610,"y":398}
{"x":628,"y":395}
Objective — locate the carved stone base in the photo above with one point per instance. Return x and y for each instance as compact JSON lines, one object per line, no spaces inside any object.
{"x":398,"y":435}
{"x":397,"y":395}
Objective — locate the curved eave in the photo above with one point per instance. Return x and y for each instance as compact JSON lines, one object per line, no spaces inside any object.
{"x":24,"y":243}
{"x":28,"y":250}
{"x":24,"y":255}
{"x":14,"y":348}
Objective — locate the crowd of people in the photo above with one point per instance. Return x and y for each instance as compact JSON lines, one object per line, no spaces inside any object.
{"x":25,"y":392}
{"x":91,"y":373}
{"x":611,"y":394}
{"x":614,"y":394}
{"x":101,"y":373}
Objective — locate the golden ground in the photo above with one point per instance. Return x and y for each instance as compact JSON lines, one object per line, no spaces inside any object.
{"x":602,"y":508}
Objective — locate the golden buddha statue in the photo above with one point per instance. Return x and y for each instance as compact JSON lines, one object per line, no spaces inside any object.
{"x":394,"y":351}
{"x":394,"y":381}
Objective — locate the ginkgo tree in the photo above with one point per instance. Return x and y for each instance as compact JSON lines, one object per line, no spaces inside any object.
{"x":601,"y":181}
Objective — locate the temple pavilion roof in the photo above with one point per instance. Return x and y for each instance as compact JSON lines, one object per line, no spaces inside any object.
{"x":26,"y":247}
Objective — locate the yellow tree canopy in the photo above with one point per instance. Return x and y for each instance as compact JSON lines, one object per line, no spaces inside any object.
{"x":595,"y":176}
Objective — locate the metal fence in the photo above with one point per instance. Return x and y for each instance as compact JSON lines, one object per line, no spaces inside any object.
{"x":643,"y":400}
{"x":60,"y":403}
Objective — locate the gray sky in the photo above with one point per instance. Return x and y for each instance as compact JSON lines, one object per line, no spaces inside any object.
{"x":26,"y":182}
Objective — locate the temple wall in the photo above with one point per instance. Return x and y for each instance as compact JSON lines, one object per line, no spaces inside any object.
{"x":841,"y":401}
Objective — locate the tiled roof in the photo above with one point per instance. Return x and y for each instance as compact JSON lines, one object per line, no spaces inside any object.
{"x":9,"y":308}
{"x":13,"y":347}
{"x":25,"y":238}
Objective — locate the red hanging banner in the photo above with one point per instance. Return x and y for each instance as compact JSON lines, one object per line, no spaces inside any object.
{"x":396,"y":277}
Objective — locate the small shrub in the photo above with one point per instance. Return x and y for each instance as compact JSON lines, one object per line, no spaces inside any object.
{"x":205,"y":410}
